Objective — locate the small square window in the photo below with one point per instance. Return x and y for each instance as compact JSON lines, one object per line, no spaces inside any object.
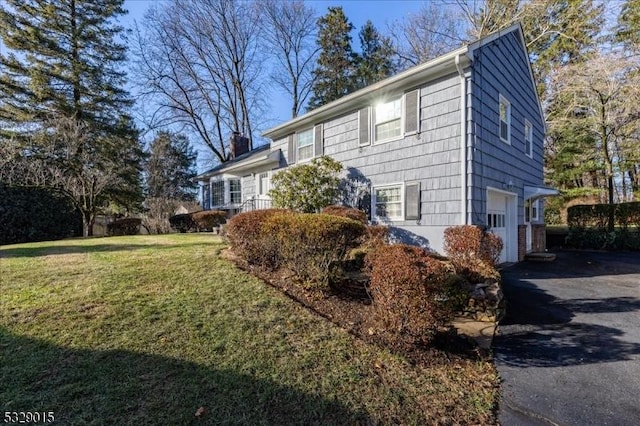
{"x":505,"y":120}
{"x":389,"y":202}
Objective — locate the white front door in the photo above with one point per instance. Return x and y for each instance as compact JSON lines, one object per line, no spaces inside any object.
{"x":502,"y":221}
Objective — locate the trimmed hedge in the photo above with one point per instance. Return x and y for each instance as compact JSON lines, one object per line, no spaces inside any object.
{"x":36,"y":214}
{"x":590,"y":226}
{"x":245,"y":234}
{"x":124,"y":226}
{"x":182,"y":223}
{"x":208,"y":219}
{"x":411,"y":291}
{"x":473,"y":251}
{"x":349,"y":212}
{"x":310,"y":244}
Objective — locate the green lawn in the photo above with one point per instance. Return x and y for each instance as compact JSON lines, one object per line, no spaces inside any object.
{"x":148,"y":329}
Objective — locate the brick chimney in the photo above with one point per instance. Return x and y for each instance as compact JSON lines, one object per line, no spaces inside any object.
{"x":239,"y":145}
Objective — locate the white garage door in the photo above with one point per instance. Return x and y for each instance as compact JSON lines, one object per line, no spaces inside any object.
{"x":499,"y":222}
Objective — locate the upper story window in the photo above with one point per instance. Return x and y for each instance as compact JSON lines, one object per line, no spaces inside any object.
{"x":388,"y":202}
{"x":528,"y":138}
{"x":387,"y":122}
{"x":505,"y":120}
{"x":217,"y":193}
{"x":305,"y":145}
{"x":235,"y":191}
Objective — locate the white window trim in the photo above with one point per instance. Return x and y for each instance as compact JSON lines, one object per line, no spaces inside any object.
{"x":313,"y":145}
{"x":530,"y":152}
{"x":228,"y":189}
{"x":504,"y":100}
{"x":257,"y":183}
{"x":530,"y":207}
{"x":374,"y":202}
{"x":372,"y":119}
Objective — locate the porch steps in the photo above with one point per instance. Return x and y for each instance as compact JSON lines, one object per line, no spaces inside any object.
{"x":540,"y":257}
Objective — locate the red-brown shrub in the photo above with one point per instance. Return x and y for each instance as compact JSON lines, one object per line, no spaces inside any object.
{"x":349,"y":212}
{"x":309,"y":243}
{"x":209,"y":219}
{"x":376,"y":235}
{"x":409,"y":290}
{"x":473,"y":251}
{"x":247,"y":239}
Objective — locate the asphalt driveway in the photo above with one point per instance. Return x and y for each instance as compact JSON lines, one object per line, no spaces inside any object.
{"x":568,"y":351}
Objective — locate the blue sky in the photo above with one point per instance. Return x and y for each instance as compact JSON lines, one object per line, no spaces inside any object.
{"x":381,"y":12}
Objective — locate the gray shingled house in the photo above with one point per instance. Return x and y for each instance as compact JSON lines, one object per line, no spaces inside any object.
{"x":456,"y":140}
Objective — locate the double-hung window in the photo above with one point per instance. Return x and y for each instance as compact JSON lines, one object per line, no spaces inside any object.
{"x":505,"y":120}
{"x":388,"y":202}
{"x":387,"y":123}
{"x":305,"y":145}
{"x":235,"y":191}
{"x":217,"y":193}
{"x":528,"y":138}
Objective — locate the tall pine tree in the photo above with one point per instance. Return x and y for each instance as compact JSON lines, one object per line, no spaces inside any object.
{"x":334,"y":73}
{"x":170,"y":168}
{"x":628,"y":29}
{"x":64,"y":62}
{"x":375,"y":63}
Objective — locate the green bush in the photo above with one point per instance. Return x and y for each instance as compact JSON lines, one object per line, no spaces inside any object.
{"x":247,"y":239}
{"x":411,"y":292}
{"x":124,"y":226}
{"x":307,"y":187}
{"x":311,"y":244}
{"x":208,"y":219}
{"x":590,"y":226}
{"x":182,"y":223}
{"x":349,"y":212}
{"x":36,"y":214}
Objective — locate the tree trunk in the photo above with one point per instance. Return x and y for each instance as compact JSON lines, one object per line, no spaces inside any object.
{"x":88,"y":220}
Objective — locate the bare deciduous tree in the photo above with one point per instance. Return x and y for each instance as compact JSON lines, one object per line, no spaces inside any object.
{"x":290,"y":29}
{"x":435,"y":29}
{"x":68,"y":157}
{"x":200,"y":63}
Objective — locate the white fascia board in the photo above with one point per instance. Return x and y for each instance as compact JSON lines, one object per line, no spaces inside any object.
{"x":405,"y":80}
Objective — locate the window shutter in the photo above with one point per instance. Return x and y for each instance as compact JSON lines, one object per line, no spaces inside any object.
{"x":319,"y":142}
{"x":363,"y":135}
{"x":292,"y":150}
{"x":412,"y":201}
{"x":412,"y":112}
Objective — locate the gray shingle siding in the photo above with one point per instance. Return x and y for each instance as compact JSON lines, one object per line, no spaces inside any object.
{"x":501,"y":68}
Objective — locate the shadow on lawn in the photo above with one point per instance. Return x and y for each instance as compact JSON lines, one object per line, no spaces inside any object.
{"x":123,"y":387}
{"x":60,"y":249}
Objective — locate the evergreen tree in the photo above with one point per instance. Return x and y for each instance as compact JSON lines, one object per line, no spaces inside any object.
{"x":375,"y":62}
{"x":628,"y":29}
{"x":65,"y":103}
{"x":64,"y":58}
{"x":171,"y":167}
{"x":334,"y":73}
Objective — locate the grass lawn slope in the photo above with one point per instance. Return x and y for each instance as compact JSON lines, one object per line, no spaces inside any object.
{"x":161,"y":330}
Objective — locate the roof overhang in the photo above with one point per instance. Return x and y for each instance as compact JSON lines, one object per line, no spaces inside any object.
{"x":534,"y":192}
{"x":249,"y":164}
{"x":438,"y":67}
